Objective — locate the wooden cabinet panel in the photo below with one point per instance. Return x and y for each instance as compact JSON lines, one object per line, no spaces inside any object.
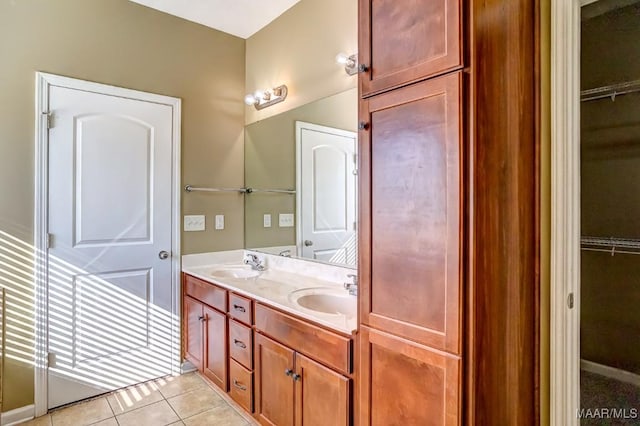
{"x":406,"y":383}
{"x":241,"y":388}
{"x":241,"y":343}
{"x":411,"y":212}
{"x":325,"y":346}
{"x":209,"y":294}
{"x":215,"y":355}
{"x":240,"y":308}
{"x":402,"y":41}
{"x":193,"y":337}
{"x":274,"y":391}
{"x":322,"y":395}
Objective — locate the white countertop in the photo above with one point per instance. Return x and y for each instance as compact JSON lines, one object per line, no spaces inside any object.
{"x":275,"y":285}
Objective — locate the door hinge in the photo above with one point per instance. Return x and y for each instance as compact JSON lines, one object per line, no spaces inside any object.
{"x":570,"y":301}
{"x":49,"y":241}
{"x":49,"y":119}
{"x":51,"y":360}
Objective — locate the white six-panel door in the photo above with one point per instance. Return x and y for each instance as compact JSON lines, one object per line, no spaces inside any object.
{"x":326,"y":165}
{"x":110,"y":299}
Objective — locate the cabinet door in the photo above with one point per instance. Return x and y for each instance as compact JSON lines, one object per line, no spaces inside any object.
{"x":322,"y":395}
{"x":274,"y":390}
{"x":403,"y":383}
{"x":193,"y":335}
{"x":215,"y":355}
{"x":402,"y":41}
{"x":410,"y":207}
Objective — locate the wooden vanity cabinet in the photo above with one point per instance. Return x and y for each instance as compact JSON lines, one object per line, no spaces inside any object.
{"x":205,"y":329}
{"x":405,"y":41}
{"x":292,"y":389}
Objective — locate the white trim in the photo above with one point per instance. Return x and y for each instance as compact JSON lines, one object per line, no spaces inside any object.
{"x":565,"y":212}
{"x":43,"y":83}
{"x":17,"y":416}
{"x":610,"y":372}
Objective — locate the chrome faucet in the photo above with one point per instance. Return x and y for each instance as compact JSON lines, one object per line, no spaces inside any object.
{"x":285,"y":253}
{"x":253,"y":261}
{"x":352,"y":286}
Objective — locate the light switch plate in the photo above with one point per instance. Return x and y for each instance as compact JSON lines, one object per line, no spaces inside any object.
{"x":267,"y":221}
{"x":285,"y":220}
{"x":194,"y":223}
{"x":219,"y":221}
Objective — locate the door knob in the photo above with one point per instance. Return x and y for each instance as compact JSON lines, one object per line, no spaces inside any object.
{"x":163,"y":255}
{"x":308,"y":243}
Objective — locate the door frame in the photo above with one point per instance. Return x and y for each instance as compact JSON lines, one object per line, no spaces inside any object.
{"x":300,"y":125}
{"x":44,"y":82}
{"x":565,"y":211}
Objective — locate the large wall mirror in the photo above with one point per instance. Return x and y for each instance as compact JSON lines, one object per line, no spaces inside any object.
{"x":310,"y":150}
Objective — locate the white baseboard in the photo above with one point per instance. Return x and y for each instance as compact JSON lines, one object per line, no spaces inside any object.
{"x":610,"y":372}
{"x":17,"y":416}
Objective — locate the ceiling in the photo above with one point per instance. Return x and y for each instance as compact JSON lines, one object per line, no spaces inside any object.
{"x":242,"y":18}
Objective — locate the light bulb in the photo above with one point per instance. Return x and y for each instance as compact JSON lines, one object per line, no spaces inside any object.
{"x":250,"y":99}
{"x":258,"y":94}
{"x":342,"y":58}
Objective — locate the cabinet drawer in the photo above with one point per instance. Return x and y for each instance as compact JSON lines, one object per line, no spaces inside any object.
{"x":241,"y":388}
{"x":241,"y":344}
{"x":206,"y":292}
{"x":240,"y":308}
{"x":322,"y":345}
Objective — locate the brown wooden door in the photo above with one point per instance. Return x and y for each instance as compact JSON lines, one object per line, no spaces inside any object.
{"x":403,"y":383}
{"x":193,"y":334}
{"x":274,"y":391}
{"x":410,"y":209}
{"x":402,"y":41}
{"x":215,"y":355}
{"x":322,"y":395}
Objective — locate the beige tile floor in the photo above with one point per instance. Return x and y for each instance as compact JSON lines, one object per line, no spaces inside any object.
{"x":184,"y":400}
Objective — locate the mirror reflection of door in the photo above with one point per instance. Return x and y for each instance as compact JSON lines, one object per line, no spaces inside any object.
{"x":326,"y":204}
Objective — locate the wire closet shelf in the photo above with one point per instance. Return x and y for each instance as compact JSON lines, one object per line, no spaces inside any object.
{"x":610,"y":245}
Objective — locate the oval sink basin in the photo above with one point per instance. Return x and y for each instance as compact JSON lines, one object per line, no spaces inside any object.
{"x":325,"y":300}
{"x":235,"y":272}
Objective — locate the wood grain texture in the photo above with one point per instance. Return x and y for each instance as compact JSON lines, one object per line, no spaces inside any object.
{"x":406,"y":383}
{"x":192,"y":331}
{"x":323,"y":397}
{"x":402,"y":41}
{"x":241,"y":343}
{"x":274,"y":391}
{"x":207,"y":293}
{"x":324,"y":346}
{"x":411,"y":208}
{"x":505,"y":277}
{"x":215,"y":348}
{"x":241,"y":308}
{"x":241,"y":385}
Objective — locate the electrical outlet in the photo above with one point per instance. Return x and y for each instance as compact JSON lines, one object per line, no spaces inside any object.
{"x":194,"y":223}
{"x":285,"y":220}
{"x":267,"y":221}
{"x":219,"y":221}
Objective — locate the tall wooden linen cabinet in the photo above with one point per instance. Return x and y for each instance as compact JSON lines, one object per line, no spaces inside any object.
{"x":429,"y":257}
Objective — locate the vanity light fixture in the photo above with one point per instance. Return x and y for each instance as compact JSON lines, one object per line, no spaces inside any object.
{"x":262,"y":99}
{"x":350,"y":62}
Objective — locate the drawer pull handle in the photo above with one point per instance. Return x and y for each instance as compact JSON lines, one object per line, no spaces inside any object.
{"x":239,"y":343}
{"x":288,"y":372}
{"x":296,"y":377}
{"x":202,"y":319}
{"x":238,"y":385}
{"x":239,"y":308}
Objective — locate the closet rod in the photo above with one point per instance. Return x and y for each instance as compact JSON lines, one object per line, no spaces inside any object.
{"x":610,"y":91}
{"x":190,"y":188}
{"x":610,"y":242}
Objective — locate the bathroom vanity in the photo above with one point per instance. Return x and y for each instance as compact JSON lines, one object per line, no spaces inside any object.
{"x":279,"y":341}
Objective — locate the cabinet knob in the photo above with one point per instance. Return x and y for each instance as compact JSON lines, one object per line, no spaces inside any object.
{"x":296,"y":377}
{"x":363,"y":125}
{"x":363,"y":68}
{"x":288,"y":372}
